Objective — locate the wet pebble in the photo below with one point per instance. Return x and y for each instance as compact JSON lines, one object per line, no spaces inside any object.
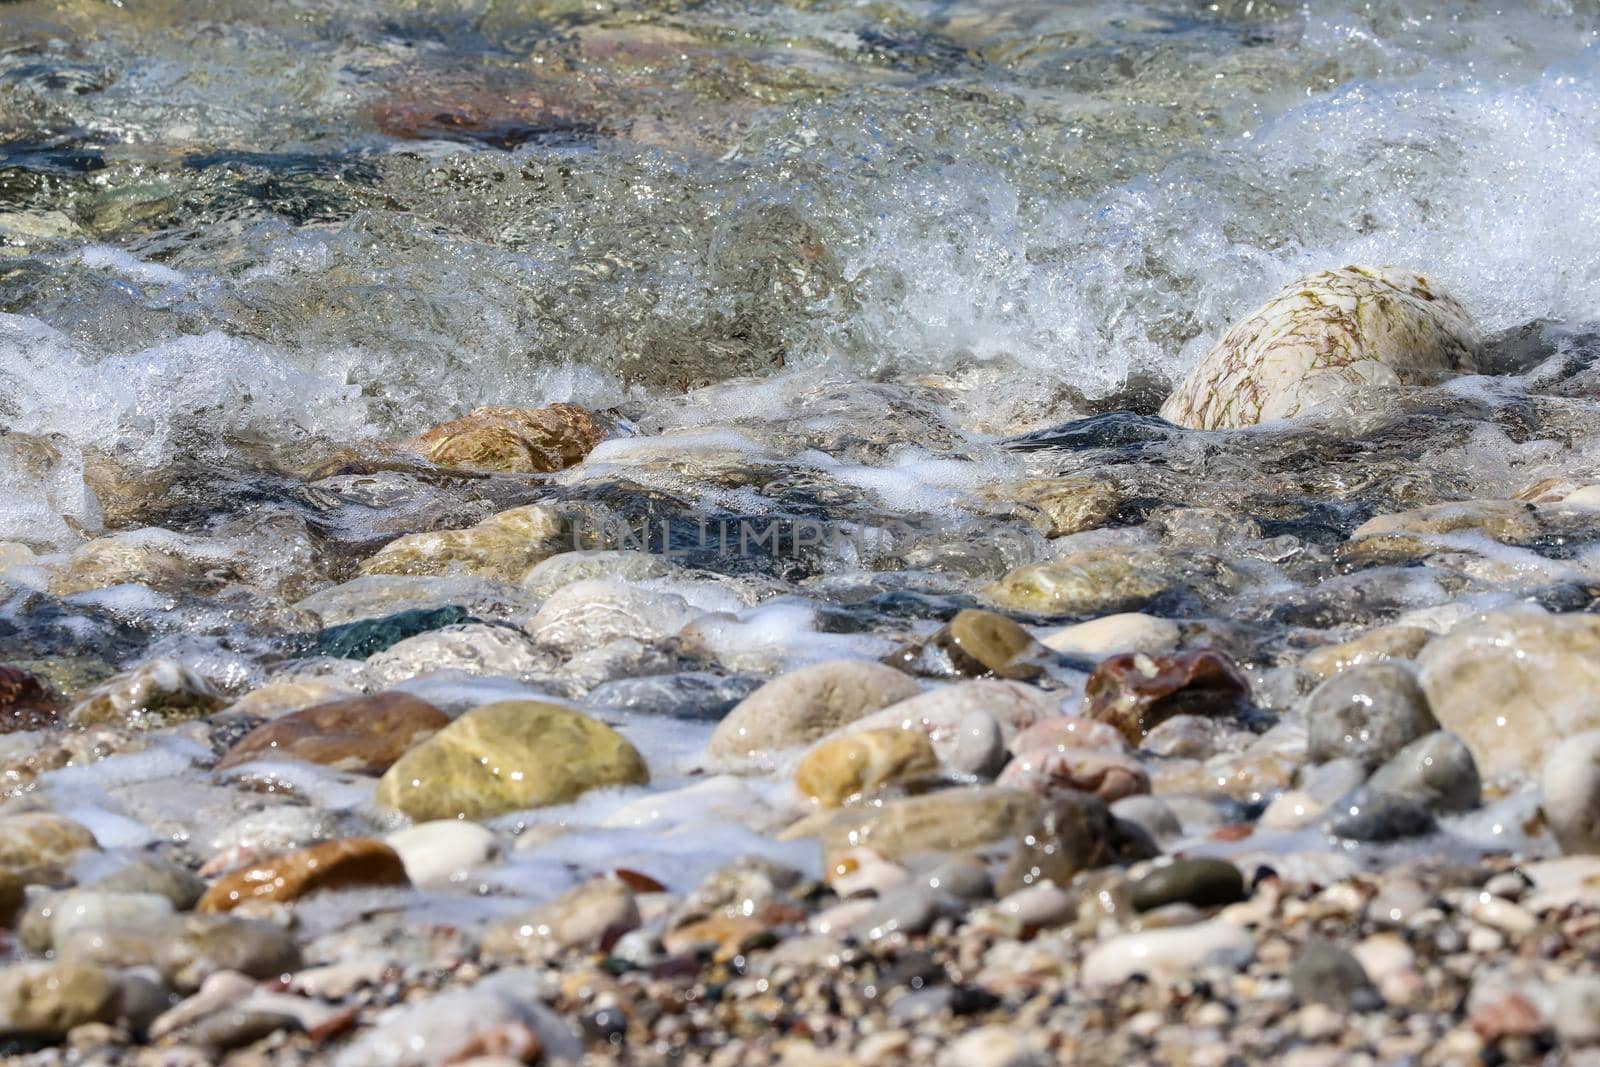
{"x":1367,"y":713}
{"x":803,"y":706}
{"x":1162,"y":955}
{"x":1367,"y":815}
{"x":1436,"y":771}
{"x":1570,"y":782}
{"x":1203,"y":882}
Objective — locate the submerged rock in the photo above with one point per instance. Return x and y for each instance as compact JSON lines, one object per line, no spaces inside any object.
{"x":26,"y":702}
{"x":587,"y":614}
{"x":863,"y":762}
{"x":802,"y":706}
{"x":513,"y":440}
{"x":502,"y":546}
{"x":155,"y":693}
{"x":364,"y":735}
{"x":579,"y":918}
{"x":1136,"y":692}
{"x":1320,"y":338}
{"x":981,"y":642}
{"x":1514,"y":684}
{"x":506,"y":756}
{"x":282,"y":879}
{"x":1088,"y":582}
{"x":474,"y":648}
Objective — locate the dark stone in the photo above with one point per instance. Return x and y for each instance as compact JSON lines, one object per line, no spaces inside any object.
{"x":26,"y":702}
{"x":362,"y":638}
{"x":1205,"y":883}
{"x":1366,"y":815}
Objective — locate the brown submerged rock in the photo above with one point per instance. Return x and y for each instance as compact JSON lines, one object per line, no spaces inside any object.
{"x":513,"y":440}
{"x":982,"y":642}
{"x":1136,"y":692}
{"x":365,"y":735}
{"x":156,"y":693}
{"x":37,"y":840}
{"x":331,"y":865}
{"x":951,"y":820}
{"x":26,"y":702}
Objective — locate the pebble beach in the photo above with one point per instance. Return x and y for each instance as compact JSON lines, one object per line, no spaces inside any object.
{"x":990,"y":534}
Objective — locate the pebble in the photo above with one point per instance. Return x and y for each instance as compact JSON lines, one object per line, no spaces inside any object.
{"x":34,"y":840}
{"x":1374,"y":646}
{"x":1367,"y":713}
{"x":1203,"y":882}
{"x":1163,"y":955}
{"x":863,"y":763}
{"x":991,"y":1046}
{"x":951,"y":820}
{"x":26,"y":702}
{"x":578,"y":918}
{"x":329,"y":866}
{"x":477,"y":649}
{"x":1326,"y":974}
{"x":508,"y":756}
{"x":1106,"y":774}
{"x":1321,"y":337}
{"x":49,"y":999}
{"x":984,"y":643}
{"x":57,"y":915}
{"x":152,"y":694}
{"x":962,"y":720}
{"x":502,"y":547}
{"x":443,"y":851}
{"x":1136,"y":692}
{"x":1088,"y":582}
{"x":1113,"y":634}
{"x":1513,"y":683}
{"x":1039,"y":906}
{"x":456,"y":1025}
{"x":1073,"y":832}
{"x":1575,"y":1012}
{"x":588,"y":614}
{"x":1436,"y":771}
{"x":802,"y":707}
{"x":1371,"y":816}
{"x":1570,"y":782}
{"x":1151,"y":814}
{"x":362,"y":735}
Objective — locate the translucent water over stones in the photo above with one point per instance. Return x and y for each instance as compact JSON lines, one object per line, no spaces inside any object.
{"x":1322,"y":337}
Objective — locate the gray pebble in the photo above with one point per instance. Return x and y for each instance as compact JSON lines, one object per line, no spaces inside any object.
{"x":1367,"y":713}
{"x":1437,"y":771}
{"x":1367,"y":815}
{"x":1326,"y":974}
{"x":1203,"y":882}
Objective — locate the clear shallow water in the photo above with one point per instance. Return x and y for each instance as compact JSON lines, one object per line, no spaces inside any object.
{"x":273,"y":225}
